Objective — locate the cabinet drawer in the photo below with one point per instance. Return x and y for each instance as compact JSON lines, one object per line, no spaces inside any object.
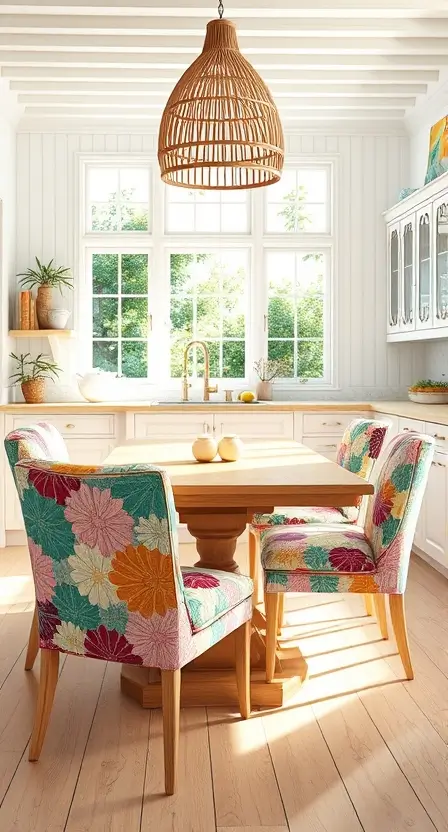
{"x":159,"y":426}
{"x":411,"y":424}
{"x":255,"y":425}
{"x":332,"y":423}
{"x":84,"y":424}
{"x":440,"y":434}
{"x":326,"y":446}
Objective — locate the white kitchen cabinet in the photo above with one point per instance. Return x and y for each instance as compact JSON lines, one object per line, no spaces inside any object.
{"x":168,"y":426}
{"x":327,"y":446}
{"x":417,"y":267}
{"x":252,"y":425}
{"x":432,"y":532}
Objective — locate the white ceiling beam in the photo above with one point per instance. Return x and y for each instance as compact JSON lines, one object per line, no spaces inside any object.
{"x":158,"y":102}
{"x":111,"y":76}
{"x":262,"y":63}
{"x":149,"y":113}
{"x":250,"y":46}
{"x":307,"y":8}
{"x":250,"y":27}
{"x":59,"y":89}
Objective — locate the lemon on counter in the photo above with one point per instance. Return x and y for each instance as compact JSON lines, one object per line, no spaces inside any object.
{"x":247,"y":397}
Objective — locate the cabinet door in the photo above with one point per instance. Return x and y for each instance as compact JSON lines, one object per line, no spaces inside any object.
{"x":407,"y":287}
{"x":255,"y":426}
{"x":394,"y":263}
{"x":326,"y":446}
{"x":435,"y":511}
{"x":424,"y":310}
{"x":441,"y":264}
{"x":168,"y":426}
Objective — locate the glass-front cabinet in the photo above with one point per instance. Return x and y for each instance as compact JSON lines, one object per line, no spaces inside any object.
{"x":441,"y":263}
{"x":417,"y":264}
{"x":407,"y":276}
{"x":394,"y":279}
{"x":424,"y":269}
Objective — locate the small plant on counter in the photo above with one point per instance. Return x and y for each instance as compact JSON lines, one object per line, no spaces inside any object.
{"x":32,"y":373}
{"x":46,"y":277}
{"x":267,"y":370}
{"x":429,"y":386}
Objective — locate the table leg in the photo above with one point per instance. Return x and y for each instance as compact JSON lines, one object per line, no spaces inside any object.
{"x":216,"y":534}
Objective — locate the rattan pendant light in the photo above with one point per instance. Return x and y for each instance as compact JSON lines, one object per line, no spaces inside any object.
{"x":220,"y":127}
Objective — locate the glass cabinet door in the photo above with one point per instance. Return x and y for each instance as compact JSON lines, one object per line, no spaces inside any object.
{"x":442,"y":264}
{"x":394,"y":278}
{"x":424,"y":271}
{"x":407,"y":317}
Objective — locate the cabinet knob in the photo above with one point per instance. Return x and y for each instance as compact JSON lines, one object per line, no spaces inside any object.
{"x":69,"y":425}
{"x":438,"y":436}
{"x":206,"y":427}
{"x":332,"y":424}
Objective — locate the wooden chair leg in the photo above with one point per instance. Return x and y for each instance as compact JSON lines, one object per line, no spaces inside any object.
{"x":33,"y":642}
{"x":171,"y":719}
{"x":254,"y":565}
{"x":397,"y":614}
{"x":281,"y":611}
{"x":380,"y":609}
{"x":369,"y":604}
{"x":242,"y":656}
{"x":49,"y":669}
{"x":271,"y":605}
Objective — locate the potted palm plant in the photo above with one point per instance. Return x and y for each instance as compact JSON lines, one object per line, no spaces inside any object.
{"x":32,"y":373}
{"x":46,"y":277}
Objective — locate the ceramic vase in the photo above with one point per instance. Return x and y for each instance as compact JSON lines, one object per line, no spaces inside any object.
{"x":43,"y":305}
{"x":204,"y":448}
{"x":264,"y":391}
{"x":57,"y":318}
{"x":230,"y":447}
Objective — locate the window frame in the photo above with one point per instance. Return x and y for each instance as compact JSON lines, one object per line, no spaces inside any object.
{"x":158,"y":243}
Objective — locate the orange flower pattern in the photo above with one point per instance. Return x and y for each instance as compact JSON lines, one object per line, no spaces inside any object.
{"x":145,"y":580}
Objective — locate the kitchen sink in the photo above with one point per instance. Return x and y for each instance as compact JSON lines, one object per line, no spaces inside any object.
{"x":208,"y":404}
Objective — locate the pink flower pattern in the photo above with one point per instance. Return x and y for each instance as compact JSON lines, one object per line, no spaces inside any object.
{"x":98,"y":519}
{"x":44,"y":579}
{"x":199,"y":580}
{"x":110,"y":645}
{"x":344,"y":559}
{"x":155,"y":639}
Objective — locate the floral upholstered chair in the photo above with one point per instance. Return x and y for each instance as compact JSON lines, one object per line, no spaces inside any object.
{"x":358,"y":452}
{"x":39,"y":441}
{"x":373,"y":560}
{"x":104,"y":555}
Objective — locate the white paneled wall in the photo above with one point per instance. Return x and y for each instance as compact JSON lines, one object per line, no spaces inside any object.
{"x":372,"y":169}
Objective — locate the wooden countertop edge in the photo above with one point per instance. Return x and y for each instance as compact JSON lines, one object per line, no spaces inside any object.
{"x":406,"y":409}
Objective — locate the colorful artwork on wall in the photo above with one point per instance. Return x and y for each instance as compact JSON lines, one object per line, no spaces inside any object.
{"x":438,"y":150}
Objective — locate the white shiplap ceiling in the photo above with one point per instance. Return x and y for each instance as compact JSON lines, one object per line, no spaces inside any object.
{"x":325,"y":60}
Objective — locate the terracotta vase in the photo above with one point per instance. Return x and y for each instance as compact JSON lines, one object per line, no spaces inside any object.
{"x":230,"y":447}
{"x":34,"y":391}
{"x":204,"y":448}
{"x":264,"y":391}
{"x":43,"y":305}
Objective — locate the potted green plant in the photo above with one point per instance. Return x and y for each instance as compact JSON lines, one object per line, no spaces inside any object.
{"x":267,"y":370}
{"x":46,"y":277}
{"x":31,"y":374}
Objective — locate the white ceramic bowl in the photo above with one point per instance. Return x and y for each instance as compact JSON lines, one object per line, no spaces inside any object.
{"x":57,"y":318}
{"x":429,"y":398}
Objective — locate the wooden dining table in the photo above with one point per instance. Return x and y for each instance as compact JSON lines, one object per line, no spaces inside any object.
{"x":216,"y":501}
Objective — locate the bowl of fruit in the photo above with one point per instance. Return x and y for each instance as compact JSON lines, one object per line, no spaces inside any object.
{"x":429,"y":392}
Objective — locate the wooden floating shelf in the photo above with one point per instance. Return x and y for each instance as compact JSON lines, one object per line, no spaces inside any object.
{"x":40,"y":333}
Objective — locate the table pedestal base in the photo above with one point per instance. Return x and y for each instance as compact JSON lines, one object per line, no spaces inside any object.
{"x":210,"y":679}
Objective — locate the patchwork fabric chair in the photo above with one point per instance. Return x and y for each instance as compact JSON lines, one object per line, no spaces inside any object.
{"x":40,"y":441}
{"x":373,"y":560}
{"x":358,"y":452}
{"x":104,"y":554}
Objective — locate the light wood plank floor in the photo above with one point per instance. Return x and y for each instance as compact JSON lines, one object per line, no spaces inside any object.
{"x":358,"y":749}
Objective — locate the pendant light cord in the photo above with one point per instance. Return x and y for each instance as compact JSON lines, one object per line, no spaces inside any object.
{"x":220,"y":9}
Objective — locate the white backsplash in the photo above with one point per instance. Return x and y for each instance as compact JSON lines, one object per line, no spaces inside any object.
{"x":436,"y":360}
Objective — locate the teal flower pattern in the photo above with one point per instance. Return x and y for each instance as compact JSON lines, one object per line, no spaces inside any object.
{"x":316,"y":557}
{"x":115,"y":617}
{"x":76,"y":608}
{"x":45,"y":522}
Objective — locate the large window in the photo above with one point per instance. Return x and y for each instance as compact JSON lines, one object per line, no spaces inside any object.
{"x":249,"y":273}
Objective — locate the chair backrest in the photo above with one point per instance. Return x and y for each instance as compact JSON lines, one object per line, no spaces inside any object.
{"x":393,"y":509}
{"x":39,"y":441}
{"x":358,"y":452}
{"x":104,"y":554}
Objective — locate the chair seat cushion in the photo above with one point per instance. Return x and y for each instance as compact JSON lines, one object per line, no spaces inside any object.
{"x":329,"y":549}
{"x":291,"y":516}
{"x":209,"y":593}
